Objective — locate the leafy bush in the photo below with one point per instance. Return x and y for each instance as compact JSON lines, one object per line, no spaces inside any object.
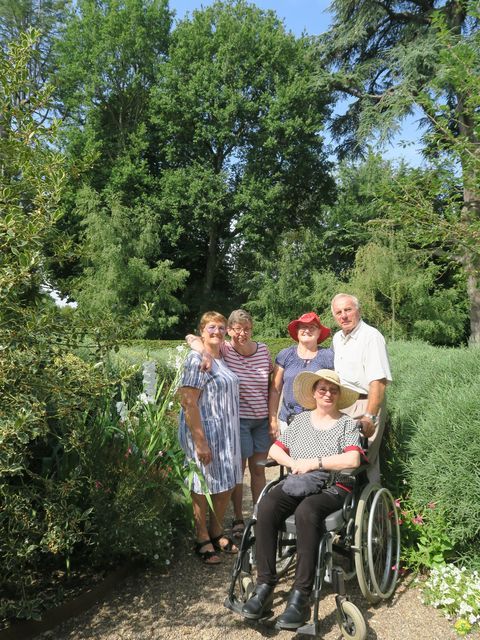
{"x":80,"y":485}
{"x":433,"y":444}
{"x":162,"y":350}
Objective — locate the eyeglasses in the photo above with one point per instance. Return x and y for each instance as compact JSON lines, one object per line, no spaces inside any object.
{"x":333,"y":391}
{"x":308,"y":327}
{"x":211,"y":328}
{"x":239,"y":330}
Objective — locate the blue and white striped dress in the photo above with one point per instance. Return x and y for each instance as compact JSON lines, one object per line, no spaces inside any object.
{"x":219,"y":411}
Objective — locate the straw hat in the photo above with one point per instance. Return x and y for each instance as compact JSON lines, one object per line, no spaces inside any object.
{"x":308,"y":318}
{"x":303,"y":388}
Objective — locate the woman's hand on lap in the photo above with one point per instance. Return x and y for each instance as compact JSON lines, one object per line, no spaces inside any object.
{"x":304,"y":465}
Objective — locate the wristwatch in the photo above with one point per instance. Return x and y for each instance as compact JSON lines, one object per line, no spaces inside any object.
{"x":372,"y":417}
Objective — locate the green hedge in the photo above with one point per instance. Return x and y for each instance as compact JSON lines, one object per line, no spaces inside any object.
{"x":433,"y":443}
{"x":137,"y":351}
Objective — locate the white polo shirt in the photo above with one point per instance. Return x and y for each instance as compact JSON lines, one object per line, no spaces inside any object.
{"x":360,"y":357}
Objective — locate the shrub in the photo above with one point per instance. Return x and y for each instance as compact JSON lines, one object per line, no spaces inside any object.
{"x":70,"y":497}
{"x":433,"y":443}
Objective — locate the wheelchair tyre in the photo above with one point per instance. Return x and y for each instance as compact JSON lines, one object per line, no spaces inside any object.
{"x":354,"y":626}
{"x":284,"y":557}
{"x":377,"y":540}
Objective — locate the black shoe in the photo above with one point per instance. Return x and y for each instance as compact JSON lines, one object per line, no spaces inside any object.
{"x":260,"y":602}
{"x":297,"y":611}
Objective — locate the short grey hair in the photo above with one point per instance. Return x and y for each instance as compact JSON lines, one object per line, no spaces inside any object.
{"x":241,"y":316}
{"x":354,"y":299}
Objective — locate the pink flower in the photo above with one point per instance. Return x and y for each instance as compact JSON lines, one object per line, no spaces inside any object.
{"x":431,"y":505}
{"x":400,"y":570}
{"x":399,"y":521}
{"x":418,"y":519}
{"x":129,"y":452}
{"x":397,"y":502}
{"x":98,"y":484}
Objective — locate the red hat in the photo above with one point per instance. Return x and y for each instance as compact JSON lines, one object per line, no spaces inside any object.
{"x":308,"y":318}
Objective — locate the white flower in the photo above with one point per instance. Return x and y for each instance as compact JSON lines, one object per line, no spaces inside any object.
{"x":149,"y":382}
{"x":122,"y":410}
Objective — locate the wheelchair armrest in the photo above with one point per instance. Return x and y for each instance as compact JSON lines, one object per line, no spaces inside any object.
{"x":268,"y":462}
{"x":353,"y":473}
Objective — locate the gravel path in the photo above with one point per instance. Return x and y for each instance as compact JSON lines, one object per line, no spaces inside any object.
{"x":188,"y":603}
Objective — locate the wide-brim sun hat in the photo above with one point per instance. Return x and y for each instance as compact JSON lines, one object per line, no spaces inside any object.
{"x":308,"y":318}
{"x":303,"y":388}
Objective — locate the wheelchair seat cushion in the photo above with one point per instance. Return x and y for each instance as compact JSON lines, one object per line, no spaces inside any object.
{"x":335,"y":521}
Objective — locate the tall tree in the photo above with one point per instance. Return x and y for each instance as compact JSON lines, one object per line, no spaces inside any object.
{"x":45,"y":17}
{"x":238,"y":122}
{"x":392,"y":56}
{"x":108,"y":60}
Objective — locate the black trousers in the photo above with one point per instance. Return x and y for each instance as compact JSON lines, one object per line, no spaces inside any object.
{"x":310,"y":513}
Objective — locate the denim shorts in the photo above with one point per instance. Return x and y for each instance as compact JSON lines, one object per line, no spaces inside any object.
{"x":254,"y":436}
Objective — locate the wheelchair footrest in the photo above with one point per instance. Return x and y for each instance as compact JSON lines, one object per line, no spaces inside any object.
{"x":310,"y":629}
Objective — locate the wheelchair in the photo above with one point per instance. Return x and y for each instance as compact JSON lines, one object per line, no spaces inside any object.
{"x":362,"y":539}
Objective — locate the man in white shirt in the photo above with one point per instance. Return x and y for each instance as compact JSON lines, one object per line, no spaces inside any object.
{"x":361,"y":361}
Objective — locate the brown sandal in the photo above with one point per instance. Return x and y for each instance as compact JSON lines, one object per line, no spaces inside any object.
{"x":206,"y":556}
{"x":230,"y":547}
{"x":238,"y":527}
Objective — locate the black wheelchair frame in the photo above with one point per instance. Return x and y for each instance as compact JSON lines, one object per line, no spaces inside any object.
{"x":363,"y":535}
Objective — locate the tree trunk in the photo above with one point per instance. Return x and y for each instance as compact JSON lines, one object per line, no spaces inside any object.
{"x":471,"y":263}
{"x":211,"y":266}
{"x":470,"y":216}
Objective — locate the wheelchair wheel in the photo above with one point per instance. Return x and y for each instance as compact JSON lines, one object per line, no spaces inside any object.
{"x":377,"y":541}
{"x":354,"y":626}
{"x":285,"y":553}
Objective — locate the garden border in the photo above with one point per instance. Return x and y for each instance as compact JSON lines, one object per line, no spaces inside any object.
{"x":25,"y":630}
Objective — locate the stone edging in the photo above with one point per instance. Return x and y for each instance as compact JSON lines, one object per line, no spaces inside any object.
{"x":25,"y":630}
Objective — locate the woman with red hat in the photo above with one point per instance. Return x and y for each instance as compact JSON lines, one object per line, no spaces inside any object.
{"x":308,"y":332}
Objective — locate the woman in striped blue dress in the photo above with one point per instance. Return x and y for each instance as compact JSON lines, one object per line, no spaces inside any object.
{"x":209,"y":434}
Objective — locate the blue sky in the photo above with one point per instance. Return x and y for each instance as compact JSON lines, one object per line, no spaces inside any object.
{"x":312,"y":17}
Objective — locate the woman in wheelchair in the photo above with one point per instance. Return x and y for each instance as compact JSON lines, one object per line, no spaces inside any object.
{"x":317,"y":445}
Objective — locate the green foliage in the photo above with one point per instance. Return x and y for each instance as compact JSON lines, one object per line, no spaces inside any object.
{"x":425,"y":539}
{"x":290,"y":284}
{"x":59,"y":431}
{"x":108,"y":59}
{"x":397,"y":58}
{"x":197,"y":148}
{"x":118,"y":276}
{"x":432,"y":440}
{"x":402,"y":296}
{"x":136,"y":472}
{"x":349,"y":223}
{"x":164,"y":352}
